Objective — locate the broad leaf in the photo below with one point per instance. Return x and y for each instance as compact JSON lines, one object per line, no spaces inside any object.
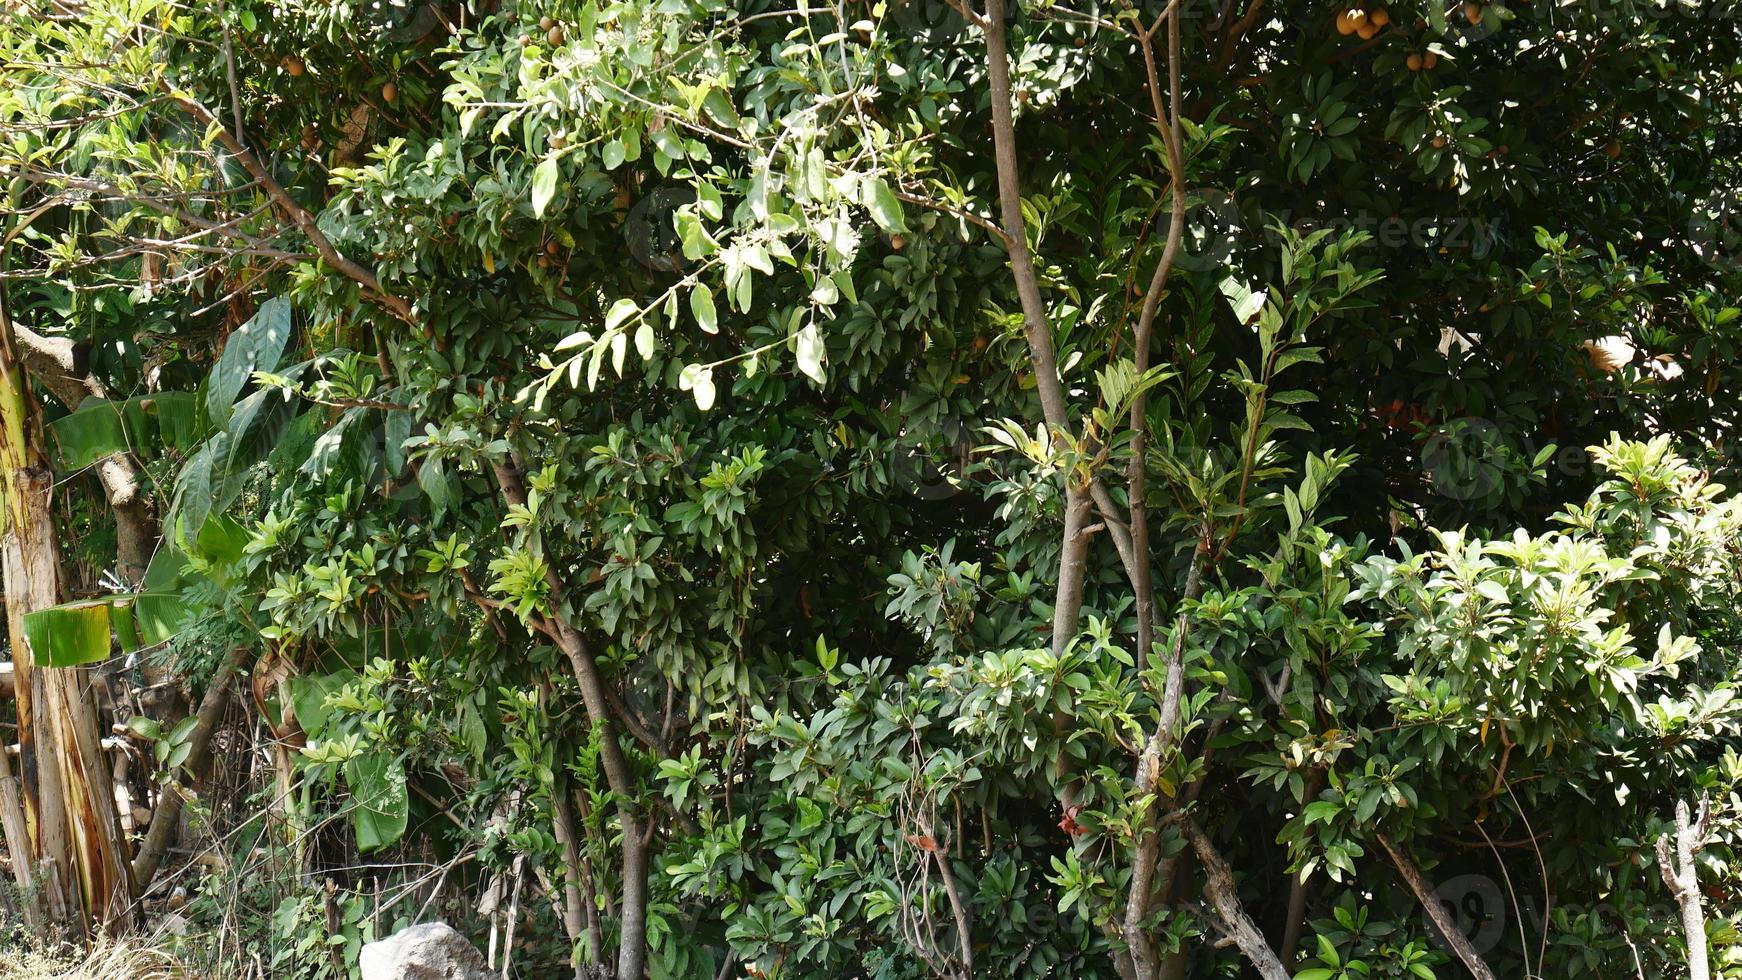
{"x":379,"y":805}
{"x":69,"y":635}
{"x":257,"y":345}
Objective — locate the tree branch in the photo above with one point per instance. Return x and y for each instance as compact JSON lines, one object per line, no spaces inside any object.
{"x":1436,"y":912}
{"x":1219,"y":887}
{"x":296,"y":213}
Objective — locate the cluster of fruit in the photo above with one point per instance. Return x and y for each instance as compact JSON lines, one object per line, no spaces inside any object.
{"x":295,"y":67}
{"x":1363,"y":23}
{"x":553,"y":31}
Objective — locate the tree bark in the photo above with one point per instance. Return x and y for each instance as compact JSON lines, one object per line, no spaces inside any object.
{"x":1146,"y":844}
{"x":1683,"y":878}
{"x":52,"y":363}
{"x":578,"y":914}
{"x":75,"y":840}
{"x":1430,"y":903}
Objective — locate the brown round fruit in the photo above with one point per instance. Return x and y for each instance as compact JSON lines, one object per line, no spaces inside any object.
{"x":390,"y":92}
{"x":293,"y":66}
{"x":1473,"y":13}
{"x":1346,"y":24}
{"x":1367,"y":31}
{"x":898,"y":242}
{"x":525,"y":40}
{"x":545,"y":23}
{"x":1380,"y":17}
{"x":551,"y":247}
{"x":554,"y":36}
{"x":1439,"y":142}
{"x":1612,"y":151}
{"x":1429,"y":60}
{"x":1413,"y":62}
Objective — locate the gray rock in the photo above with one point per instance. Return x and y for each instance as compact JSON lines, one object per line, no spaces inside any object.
{"x":432,"y":951}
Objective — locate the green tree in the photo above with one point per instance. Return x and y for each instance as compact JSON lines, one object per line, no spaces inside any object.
{"x":926,"y":489}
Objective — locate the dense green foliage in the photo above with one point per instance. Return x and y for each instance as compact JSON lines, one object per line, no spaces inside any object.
{"x":677,"y":345}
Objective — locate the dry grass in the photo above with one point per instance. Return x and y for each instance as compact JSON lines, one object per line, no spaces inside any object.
{"x":124,"y":959}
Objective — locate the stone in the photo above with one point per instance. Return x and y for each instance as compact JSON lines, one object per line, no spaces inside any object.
{"x":432,"y":951}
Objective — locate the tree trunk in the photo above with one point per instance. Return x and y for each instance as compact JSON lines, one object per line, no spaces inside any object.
{"x":76,"y":844}
{"x":1683,"y":879}
{"x":167,"y":817}
{"x":53,"y":363}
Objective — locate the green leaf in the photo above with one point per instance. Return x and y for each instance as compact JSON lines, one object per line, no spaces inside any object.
{"x":543,"y":185}
{"x":885,"y":208}
{"x":1297,"y":355}
{"x":810,"y":353}
{"x":619,"y":313}
{"x":698,"y":380}
{"x":396,"y":430}
{"x":158,"y":610}
{"x":145,"y":727}
{"x":434,"y":483}
{"x":702,"y":307}
{"x":69,"y":635}
{"x":308,"y":698}
{"x":257,"y":345}
{"x":98,"y":428}
{"x":379,"y":805}
{"x":221,"y":540}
